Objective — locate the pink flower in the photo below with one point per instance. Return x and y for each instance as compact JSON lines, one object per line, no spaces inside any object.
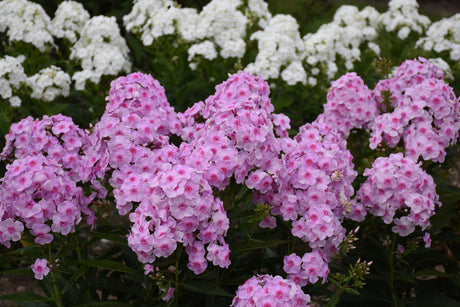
{"x":427,"y":239}
{"x":40,"y":268}
{"x":267,"y":290}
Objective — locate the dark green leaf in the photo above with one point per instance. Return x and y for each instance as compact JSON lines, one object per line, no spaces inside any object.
{"x":255,"y":244}
{"x":205,"y":288}
{"x":25,"y":296}
{"x":351,"y":291}
{"x":108,"y":265}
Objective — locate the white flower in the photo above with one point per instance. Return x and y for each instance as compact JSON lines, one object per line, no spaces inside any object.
{"x":69,"y":19}
{"x":294,"y":73}
{"x":26,"y":21}
{"x":49,"y":83}
{"x":12,"y":76}
{"x":155,"y":18}
{"x":403,"y":16}
{"x":342,"y":38}
{"x":206,"y":49}
{"x":443,"y":35}
{"x":15,"y":101}
{"x":101,"y":50}
{"x":279,"y":45}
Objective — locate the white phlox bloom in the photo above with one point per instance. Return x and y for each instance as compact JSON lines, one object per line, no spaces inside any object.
{"x":69,"y":19}
{"x":49,"y":83}
{"x":342,"y":37}
{"x":205,"y":49}
{"x":403,"y":16}
{"x":26,"y":21}
{"x":155,"y":18}
{"x":443,"y":35}
{"x":222,"y":23}
{"x":101,"y":50}
{"x":12,"y":76}
{"x":279,"y":45}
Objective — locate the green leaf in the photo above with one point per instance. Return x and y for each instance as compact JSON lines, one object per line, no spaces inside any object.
{"x":352,"y":291}
{"x":108,"y":265}
{"x":255,"y":244}
{"x":102,"y":304}
{"x":25,"y":296}
{"x":429,"y":273}
{"x":206,"y":288}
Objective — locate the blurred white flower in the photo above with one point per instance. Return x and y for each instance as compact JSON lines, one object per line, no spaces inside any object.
{"x":101,"y":50}
{"x":49,"y":83}
{"x":69,"y":19}
{"x":443,"y":35}
{"x":12,"y":76}
{"x":26,"y":21}
{"x":403,"y":16}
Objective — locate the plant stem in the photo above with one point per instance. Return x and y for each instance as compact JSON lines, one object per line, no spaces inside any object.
{"x":57,"y":293}
{"x":177,"y":282}
{"x":394,"y":301}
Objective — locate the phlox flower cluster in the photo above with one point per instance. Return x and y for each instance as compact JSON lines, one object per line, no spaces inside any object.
{"x":341,"y":38}
{"x":26,"y":21}
{"x":426,"y":112}
{"x":95,"y":43}
{"x":238,"y":133}
{"x":101,"y":50}
{"x":307,"y":269}
{"x":443,"y":36}
{"x":49,"y":83}
{"x":55,"y":137}
{"x":267,"y":290}
{"x":279,"y":45}
{"x":349,"y":105}
{"x":219,"y":28}
{"x":69,"y":20}
{"x":176,"y":206}
{"x":137,"y":118}
{"x":38,"y":193}
{"x":12,"y":77}
{"x":399,"y":191}
{"x":312,"y":190}
{"x":169,"y":202}
{"x":403,"y":16}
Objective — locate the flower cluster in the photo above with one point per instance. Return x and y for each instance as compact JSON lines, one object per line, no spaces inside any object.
{"x":399,"y":191}
{"x":176,"y":206}
{"x":307,"y":269}
{"x":49,"y":83}
{"x":426,"y":112}
{"x":37,"y":192}
{"x":219,"y":28}
{"x":442,"y":36}
{"x":55,"y":137}
{"x":101,"y":50}
{"x":26,"y":21}
{"x":12,"y":76}
{"x":349,"y":105}
{"x":69,"y":20}
{"x":267,"y":290}
{"x":279,"y":45}
{"x":341,"y":38}
{"x":239,"y":132}
{"x":403,"y":16}
{"x":137,"y":118}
